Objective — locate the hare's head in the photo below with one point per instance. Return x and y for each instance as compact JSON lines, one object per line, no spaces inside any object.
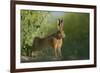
{"x":60,"y":27}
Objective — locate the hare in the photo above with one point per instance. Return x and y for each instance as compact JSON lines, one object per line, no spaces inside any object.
{"x":53,"y":41}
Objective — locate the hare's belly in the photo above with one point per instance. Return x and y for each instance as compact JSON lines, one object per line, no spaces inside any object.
{"x":57,"y":43}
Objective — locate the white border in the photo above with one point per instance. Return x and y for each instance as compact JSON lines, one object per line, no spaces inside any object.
{"x":57,"y":63}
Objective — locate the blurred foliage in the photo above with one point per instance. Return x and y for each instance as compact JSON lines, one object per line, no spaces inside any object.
{"x":33,"y":23}
{"x":77,"y":36}
{"x":44,"y":23}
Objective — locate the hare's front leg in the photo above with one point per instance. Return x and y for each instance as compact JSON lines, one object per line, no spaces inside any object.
{"x":56,"y":52}
{"x":59,"y":52}
{"x":59,"y":46}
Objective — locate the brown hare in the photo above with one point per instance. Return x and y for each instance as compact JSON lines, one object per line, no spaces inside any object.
{"x":53,"y":41}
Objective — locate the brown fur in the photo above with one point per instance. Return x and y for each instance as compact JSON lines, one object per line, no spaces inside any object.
{"x":53,"y":41}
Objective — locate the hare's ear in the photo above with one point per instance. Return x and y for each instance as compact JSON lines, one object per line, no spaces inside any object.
{"x":58,"y":23}
{"x":62,"y":21}
{"x":61,"y":24}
